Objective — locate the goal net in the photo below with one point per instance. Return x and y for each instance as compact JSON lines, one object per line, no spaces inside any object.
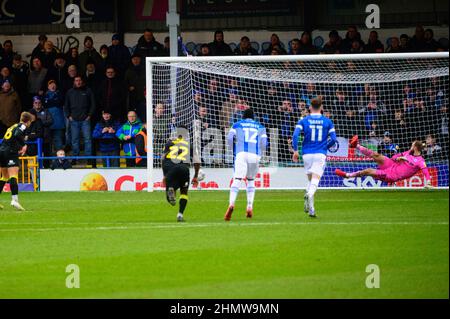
{"x":388,"y":100}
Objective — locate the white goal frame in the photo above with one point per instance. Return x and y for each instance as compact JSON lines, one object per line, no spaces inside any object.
{"x":149,"y":61}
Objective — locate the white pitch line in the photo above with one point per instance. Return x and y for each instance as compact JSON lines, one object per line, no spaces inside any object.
{"x":300,"y":199}
{"x":222,"y":224}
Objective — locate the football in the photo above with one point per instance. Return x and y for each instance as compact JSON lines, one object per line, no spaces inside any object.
{"x":201,"y":175}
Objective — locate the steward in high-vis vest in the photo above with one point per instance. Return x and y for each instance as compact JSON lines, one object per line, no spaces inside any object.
{"x":140,"y":140}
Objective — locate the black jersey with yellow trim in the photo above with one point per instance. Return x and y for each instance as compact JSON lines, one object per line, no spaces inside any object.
{"x":176,"y":151}
{"x":14,"y":138}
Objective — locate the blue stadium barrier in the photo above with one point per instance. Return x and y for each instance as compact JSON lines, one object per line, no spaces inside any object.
{"x":38,"y":142}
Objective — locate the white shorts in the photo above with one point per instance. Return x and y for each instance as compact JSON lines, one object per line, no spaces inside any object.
{"x":246,"y":165}
{"x":314,"y":163}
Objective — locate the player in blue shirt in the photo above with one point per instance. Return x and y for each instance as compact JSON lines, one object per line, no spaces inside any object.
{"x":319,"y":136}
{"x":249,"y":140}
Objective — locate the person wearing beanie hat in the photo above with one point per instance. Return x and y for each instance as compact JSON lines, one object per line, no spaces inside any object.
{"x":119,"y":56}
{"x":89,"y":53}
{"x":58,"y":71}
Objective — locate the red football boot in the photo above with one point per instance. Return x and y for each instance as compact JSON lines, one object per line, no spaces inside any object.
{"x":354,"y":141}
{"x":249,"y":213}
{"x":340,"y":173}
{"x":228,"y":213}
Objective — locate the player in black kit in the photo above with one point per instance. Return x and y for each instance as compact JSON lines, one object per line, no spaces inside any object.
{"x":12,"y":146}
{"x":175,"y":165}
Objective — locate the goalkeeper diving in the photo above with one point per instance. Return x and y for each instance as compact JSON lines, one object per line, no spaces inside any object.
{"x":390,"y":170}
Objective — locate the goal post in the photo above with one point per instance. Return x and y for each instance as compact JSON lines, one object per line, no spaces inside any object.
{"x":389,"y":100}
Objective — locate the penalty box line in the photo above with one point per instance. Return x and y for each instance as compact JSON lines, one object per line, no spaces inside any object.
{"x":144,"y":226}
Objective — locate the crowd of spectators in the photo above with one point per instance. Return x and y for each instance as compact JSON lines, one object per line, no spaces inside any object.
{"x":96,"y":100}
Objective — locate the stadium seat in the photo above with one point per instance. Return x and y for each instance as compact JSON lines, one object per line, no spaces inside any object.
{"x":444,"y":43}
{"x":255,"y":45}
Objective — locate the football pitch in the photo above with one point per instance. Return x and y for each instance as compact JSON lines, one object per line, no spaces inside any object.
{"x":129,"y":245}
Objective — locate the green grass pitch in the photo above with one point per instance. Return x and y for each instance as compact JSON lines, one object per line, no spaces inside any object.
{"x":128,"y":245}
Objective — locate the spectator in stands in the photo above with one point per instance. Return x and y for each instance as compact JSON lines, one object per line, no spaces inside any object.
{"x":287,"y":119}
{"x":67,"y":84}
{"x":141,"y":146}
{"x":373,"y":44}
{"x":227,"y":109}
{"x":294,"y":47}
{"x":213,"y":100}
{"x":112,"y":94}
{"x":72,"y":57}
{"x":415,"y":114}
{"x":20,"y":70}
{"x":48,"y":56}
{"x":89,"y":53}
{"x":10,"y":107}
{"x":108,"y":144}
{"x":93,"y":81}
{"x":398,"y":127}
{"x":204,"y":118}
{"x":275,"y":50}
{"x":245,"y":47}
{"x":356,"y":47}
{"x":431,"y":45}
{"x":119,"y":56}
{"x":351,"y":36}
{"x":432,"y":150}
{"x":334,"y":43}
{"x":135,"y":82}
{"x":349,"y":123}
{"x":274,"y":42}
{"x":160,"y":128}
{"x":61,"y":162}
{"x":417,"y":42}
{"x":33,"y":133}
{"x":387,"y":147}
{"x":36,"y":80}
{"x":204,"y":50}
{"x":105,"y":61}
{"x":218,"y":46}
{"x":5,"y":75}
{"x":394,"y":46}
{"x":197,"y":99}
{"x":240,"y":106}
{"x":7,"y":55}
{"x":58,"y":70}
{"x":409,"y":103}
{"x":54,"y":104}
{"x":309,"y":93}
{"x":39,"y":49}
{"x":374,"y":112}
{"x":46,"y":119}
{"x":306,"y":45}
{"x":148,"y":46}
{"x":166,"y":46}
{"x":126,"y":134}
{"x":79,"y":107}
{"x":404,"y":43}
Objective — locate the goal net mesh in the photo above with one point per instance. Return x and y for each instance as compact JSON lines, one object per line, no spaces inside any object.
{"x":388,"y":102}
